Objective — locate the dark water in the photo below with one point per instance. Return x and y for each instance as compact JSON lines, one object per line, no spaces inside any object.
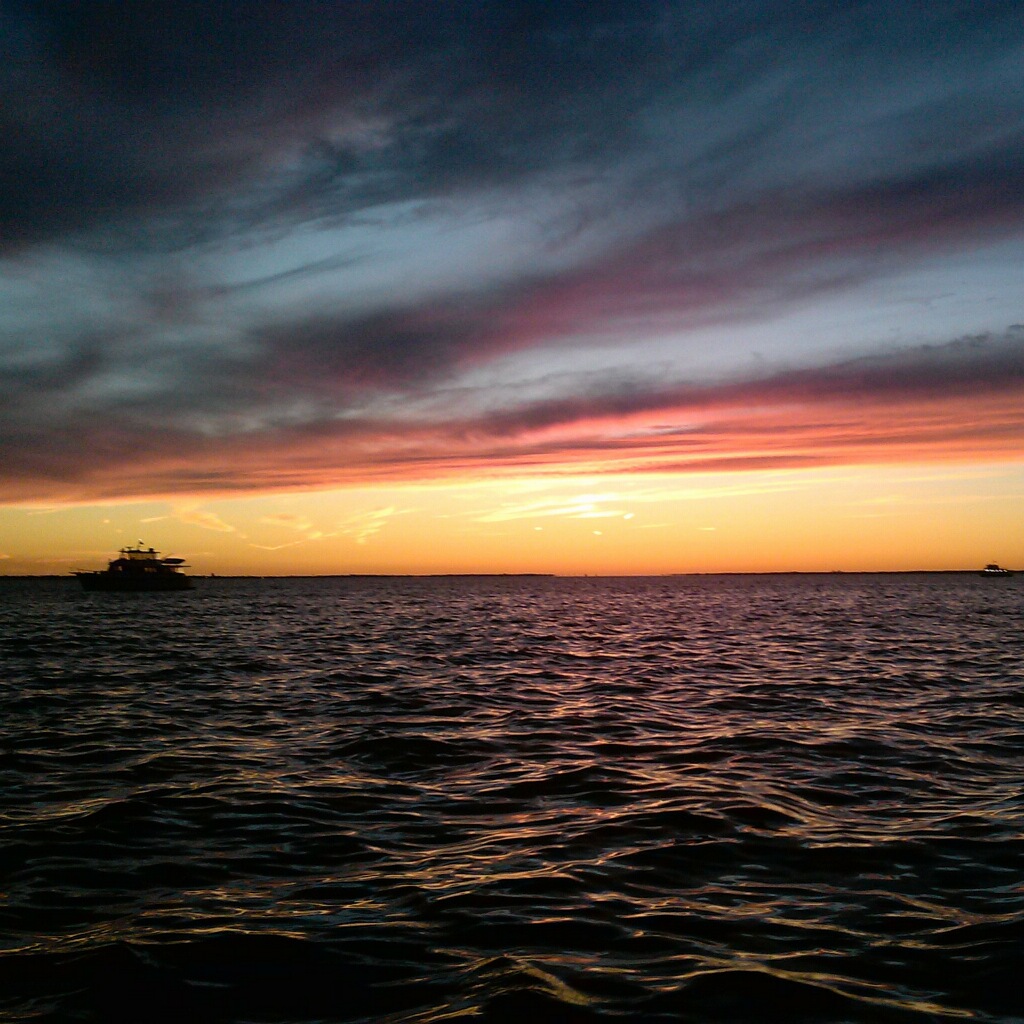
{"x":696,"y":799}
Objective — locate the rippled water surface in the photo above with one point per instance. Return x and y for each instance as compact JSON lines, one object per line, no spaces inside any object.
{"x":514,"y":799}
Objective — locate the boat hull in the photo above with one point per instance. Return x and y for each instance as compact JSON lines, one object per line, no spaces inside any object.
{"x":132,"y":583}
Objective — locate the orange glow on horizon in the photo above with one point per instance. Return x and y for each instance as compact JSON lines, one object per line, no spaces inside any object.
{"x":853,"y":518}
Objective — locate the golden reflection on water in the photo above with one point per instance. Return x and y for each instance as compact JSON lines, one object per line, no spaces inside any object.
{"x":607,"y":795}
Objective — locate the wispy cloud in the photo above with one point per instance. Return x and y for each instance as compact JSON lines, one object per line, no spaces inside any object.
{"x":278,"y":547}
{"x":587,"y":507}
{"x":292,"y":522}
{"x":288,"y":520}
{"x":364,"y":525}
{"x":201,"y":517}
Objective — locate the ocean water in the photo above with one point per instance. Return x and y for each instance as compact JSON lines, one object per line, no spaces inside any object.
{"x":707,"y":799}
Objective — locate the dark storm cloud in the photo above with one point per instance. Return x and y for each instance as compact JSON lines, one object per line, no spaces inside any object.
{"x":114,"y":110}
{"x":110,"y":105}
{"x":729,"y":160}
{"x":964,"y":399}
{"x":712,"y":269}
{"x":967,"y":369}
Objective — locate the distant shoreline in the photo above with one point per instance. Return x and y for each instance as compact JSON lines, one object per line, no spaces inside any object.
{"x":535,"y":575}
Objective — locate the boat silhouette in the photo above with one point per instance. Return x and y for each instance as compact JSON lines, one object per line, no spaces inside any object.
{"x":992,"y":569}
{"x":137,"y":569}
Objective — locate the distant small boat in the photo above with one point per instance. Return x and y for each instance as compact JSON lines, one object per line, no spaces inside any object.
{"x":137,"y":569}
{"x":995,"y":570}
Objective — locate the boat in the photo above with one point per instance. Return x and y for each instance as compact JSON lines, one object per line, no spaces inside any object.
{"x":137,"y":569}
{"x":995,"y":570}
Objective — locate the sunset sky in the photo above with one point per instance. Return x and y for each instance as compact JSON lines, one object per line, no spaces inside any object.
{"x":495,"y":286}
